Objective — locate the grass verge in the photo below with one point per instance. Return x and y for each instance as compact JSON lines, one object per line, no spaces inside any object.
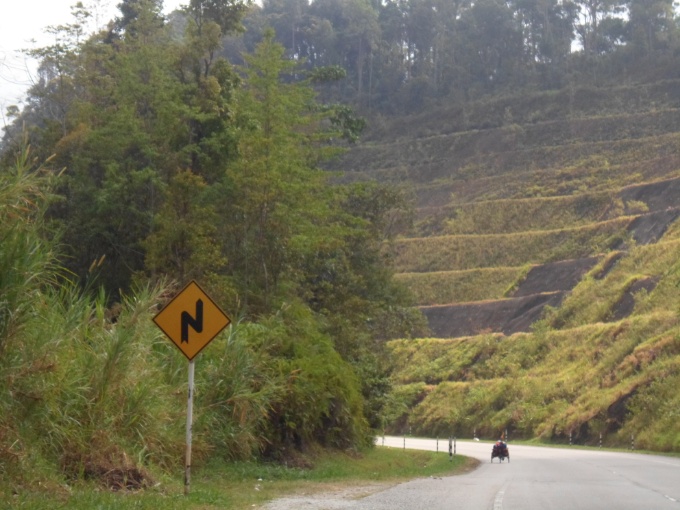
{"x":249,"y":484}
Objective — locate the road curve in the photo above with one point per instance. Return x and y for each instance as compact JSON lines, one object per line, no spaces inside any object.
{"x":535,"y":479}
{"x":545,"y":478}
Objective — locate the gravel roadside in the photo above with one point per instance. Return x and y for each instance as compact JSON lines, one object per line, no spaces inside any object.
{"x":331,"y":498}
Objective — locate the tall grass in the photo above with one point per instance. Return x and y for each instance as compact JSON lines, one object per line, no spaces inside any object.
{"x":26,"y":266}
{"x":90,"y":395}
{"x":26,"y":259}
{"x":93,"y":390}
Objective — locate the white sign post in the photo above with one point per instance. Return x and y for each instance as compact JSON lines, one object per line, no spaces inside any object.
{"x":190,"y":417}
{"x":191,"y":320}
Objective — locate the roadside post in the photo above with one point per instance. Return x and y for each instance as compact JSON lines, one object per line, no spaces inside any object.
{"x":191,"y":320}
{"x":450,"y":449}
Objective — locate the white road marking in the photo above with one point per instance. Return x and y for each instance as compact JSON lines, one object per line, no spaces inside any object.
{"x":498,"y":502}
{"x":674,"y":464}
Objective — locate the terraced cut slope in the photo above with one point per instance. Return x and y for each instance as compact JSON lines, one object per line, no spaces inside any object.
{"x":546,"y":259}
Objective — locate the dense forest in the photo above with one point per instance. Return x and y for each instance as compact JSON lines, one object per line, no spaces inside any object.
{"x":403,"y":55}
{"x":198,"y":146}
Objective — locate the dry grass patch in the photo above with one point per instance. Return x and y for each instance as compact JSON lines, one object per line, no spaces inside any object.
{"x":461,"y":286}
{"x":446,"y":253}
{"x":528,"y":214}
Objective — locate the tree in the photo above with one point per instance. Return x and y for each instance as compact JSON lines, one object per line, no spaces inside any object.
{"x":592,"y":15}
{"x":122,"y":143}
{"x":124,"y":111}
{"x":493,"y":47}
{"x":56,"y":90}
{"x":278,"y":145}
{"x":355,"y":23}
{"x":183,"y":243}
{"x":209,"y":83}
{"x":227,"y":14}
{"x":651,"y":26}
{"x":290,"y":21}
{"x":136,"y":12}
{"x":548,"y":27}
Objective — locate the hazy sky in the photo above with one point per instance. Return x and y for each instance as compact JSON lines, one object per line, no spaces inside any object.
{"x":22,"y":21}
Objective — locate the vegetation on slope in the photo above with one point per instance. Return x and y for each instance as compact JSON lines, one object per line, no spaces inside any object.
{"x":439,"y":287}
{"x":443,"y":253}
{"x":508,"y":182}
{"x":179,"y":165}
{"x":575,"y":373}
{"x":522,"y":215}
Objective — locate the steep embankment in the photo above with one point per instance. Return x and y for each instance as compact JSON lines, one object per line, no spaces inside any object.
{"x":545,"y":257}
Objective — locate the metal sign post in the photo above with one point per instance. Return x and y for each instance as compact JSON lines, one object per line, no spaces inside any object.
{"x":190,"y":418}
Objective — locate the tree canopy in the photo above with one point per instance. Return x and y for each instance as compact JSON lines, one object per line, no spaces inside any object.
{"x":400,"y":54}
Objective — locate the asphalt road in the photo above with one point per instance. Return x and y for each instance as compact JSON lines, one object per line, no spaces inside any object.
{"x":539,"y":478}
{"x":535,"y":479}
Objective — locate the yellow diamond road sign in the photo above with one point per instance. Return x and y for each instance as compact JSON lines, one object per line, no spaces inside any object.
{"x":191,"y":320}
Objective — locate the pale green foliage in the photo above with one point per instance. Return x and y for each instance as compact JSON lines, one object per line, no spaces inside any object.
{"x":25,"y":258}
{"x":504,"y":250}
{"x":72,"y":381}
{"x":532,"y":383}
{"x":506,"y":216}
{"x":655,"y":411}
{"x":460,"y":286}
{"x":26,"y":264}
{"x":593,"y":300}
{"x":673,"y":231}
{"x":107,"y":394}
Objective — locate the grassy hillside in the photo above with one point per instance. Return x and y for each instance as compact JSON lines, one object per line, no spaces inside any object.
{"x":579,"y":371}
{"x":436,"y":287}
{"x":441,"y":253}
{"x":570,"y":198}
